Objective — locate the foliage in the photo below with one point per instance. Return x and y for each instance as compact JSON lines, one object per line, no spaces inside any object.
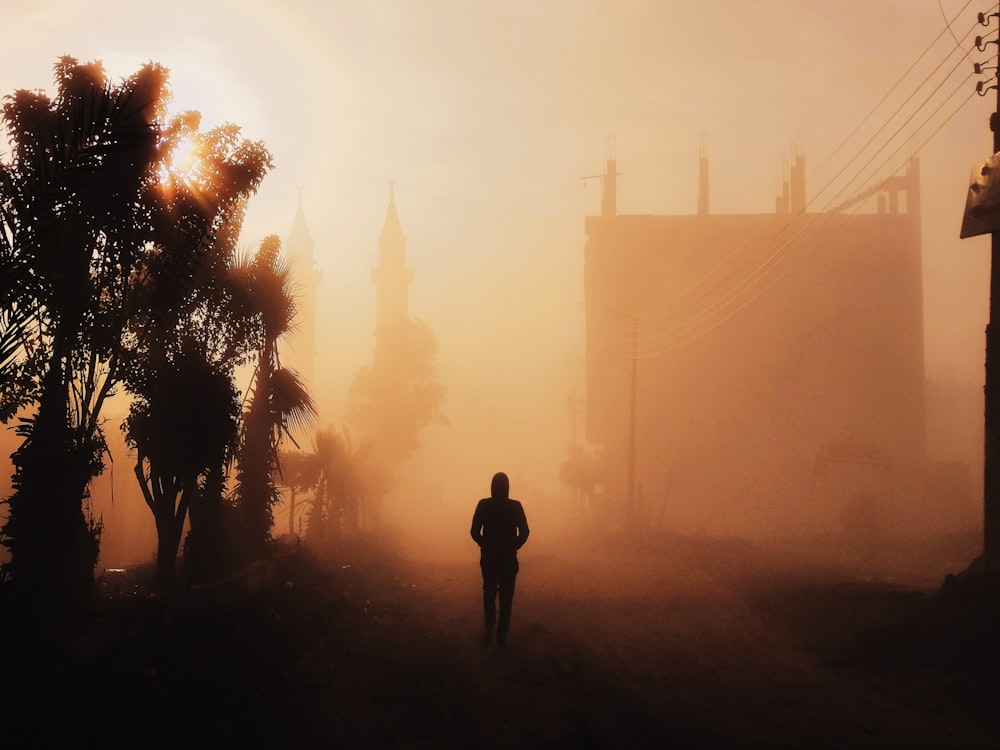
{"x":349,"y":482}
{"x":109,"y":257}
{"x":181,"y":427}
{"x":278,"y":401}
{"x":395,"y":399}
{"x":299,"y":472}
{"x":74,"y":228}
{"x":15,"y":323}
{"x":583,"y":471}
{"x":192,"y":331}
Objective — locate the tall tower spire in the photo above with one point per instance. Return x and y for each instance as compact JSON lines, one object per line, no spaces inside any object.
{"x":391,"y":277}
{"x":299,"y":247}
{"x":609,"y":200}
{"x":702,"y":177}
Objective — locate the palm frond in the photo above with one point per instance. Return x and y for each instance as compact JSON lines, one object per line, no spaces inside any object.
{"x":291,"y":401}
{"x":14,"y":324}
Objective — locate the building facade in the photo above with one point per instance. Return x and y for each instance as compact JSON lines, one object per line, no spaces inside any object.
{"x":299,"y":246}
{"x":760,"y":373}
{"x":391,"y":277}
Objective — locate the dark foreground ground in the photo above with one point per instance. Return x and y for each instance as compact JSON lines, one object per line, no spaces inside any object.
{"x":683,"y":643}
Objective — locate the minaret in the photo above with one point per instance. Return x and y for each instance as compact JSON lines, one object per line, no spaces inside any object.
{"x":609,"y":198}
{"x":391,"y":277}
{"x":798,"y":185}
{"x":305,"y":276}
{"x":702,"y":178}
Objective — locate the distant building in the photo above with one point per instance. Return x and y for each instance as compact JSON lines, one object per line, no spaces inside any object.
{"x":760,"y":372}
{"x":391,"y":276}
{"x":299,"y":245}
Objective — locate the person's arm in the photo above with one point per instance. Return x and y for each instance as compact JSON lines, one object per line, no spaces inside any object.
{"x":522,"y":527}
{"x":477,"y":525}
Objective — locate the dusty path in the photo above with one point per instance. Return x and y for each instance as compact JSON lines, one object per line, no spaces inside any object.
{"x":674,"y":649}
{"x":693,"y":644}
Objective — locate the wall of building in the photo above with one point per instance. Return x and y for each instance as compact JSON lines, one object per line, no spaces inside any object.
{"x":779,"y":369}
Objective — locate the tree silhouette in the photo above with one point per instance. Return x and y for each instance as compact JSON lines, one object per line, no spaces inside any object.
{"x":583,"y":471}
{"x":181,"y":427}
{"x":74,"y":193}
{"x":278,"y":401}
{"x":398,"y":396}
{"x":107,"y":243}
{"x":348,"y":480}
{"x":15,"y":318}
{"x":299,"y":472}
{"x":193,"y":332}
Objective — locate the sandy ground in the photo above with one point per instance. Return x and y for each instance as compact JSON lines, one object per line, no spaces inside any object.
{"x":672,"y":643}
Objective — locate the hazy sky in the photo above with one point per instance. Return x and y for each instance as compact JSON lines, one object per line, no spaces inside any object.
{"x":487,"y":114}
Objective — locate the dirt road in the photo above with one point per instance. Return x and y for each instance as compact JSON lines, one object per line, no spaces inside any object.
{"x":694,"y":644}
{"x":686,"y":644}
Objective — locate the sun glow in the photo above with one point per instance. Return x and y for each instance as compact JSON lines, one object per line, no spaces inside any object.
{"x":184,"y":163}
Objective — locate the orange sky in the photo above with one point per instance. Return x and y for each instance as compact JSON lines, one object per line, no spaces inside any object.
{"x":486,"y":115}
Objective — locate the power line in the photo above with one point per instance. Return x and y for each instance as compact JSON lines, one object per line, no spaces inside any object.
{"x":754,"y":278}
{"x":906,"y":101}
{"x":897,"y":84}
{"x":753,"y":241}
{"x":670,"y":339}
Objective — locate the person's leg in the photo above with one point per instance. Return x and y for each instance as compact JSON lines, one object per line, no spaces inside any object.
{"x":506,"y":582}
{"x":490,"y":587}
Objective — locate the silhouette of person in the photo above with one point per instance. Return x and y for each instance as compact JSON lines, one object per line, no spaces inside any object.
{"x":500,"y":528}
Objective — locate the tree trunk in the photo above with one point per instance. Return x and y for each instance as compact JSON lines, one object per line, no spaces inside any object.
{"x":208,"y":551}
{"x":167,"y":544}
{"x":53,"y":545}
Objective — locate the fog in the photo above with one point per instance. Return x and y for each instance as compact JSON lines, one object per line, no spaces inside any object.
{"x":486,"y":116}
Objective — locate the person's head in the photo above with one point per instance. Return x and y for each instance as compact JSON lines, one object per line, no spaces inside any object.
{"x":500,"y":486}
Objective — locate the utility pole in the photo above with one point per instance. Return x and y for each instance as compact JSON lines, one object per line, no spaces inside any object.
{"x":631,"y":347}
{"x":991,"y":462}
{"x":573,"y":409}
{"x":633,"y":511}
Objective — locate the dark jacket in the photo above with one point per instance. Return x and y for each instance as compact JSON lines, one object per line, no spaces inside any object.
{"x":499,"y":527}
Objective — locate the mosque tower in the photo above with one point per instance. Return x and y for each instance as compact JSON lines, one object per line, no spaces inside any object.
{"x":306,"y":276}
{"x":391,"y":277}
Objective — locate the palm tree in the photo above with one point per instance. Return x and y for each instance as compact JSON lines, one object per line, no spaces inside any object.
{"x":15,"y":319}
{"x":278,"y":402}
{"x":337,"y":476}
{"x":299,"y":472}
{"x":348,"y":481}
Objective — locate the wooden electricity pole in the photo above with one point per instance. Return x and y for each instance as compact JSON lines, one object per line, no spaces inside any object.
{"x":991,"y":441}
{"x":991,"y":463}
{"x":633,"y":510}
